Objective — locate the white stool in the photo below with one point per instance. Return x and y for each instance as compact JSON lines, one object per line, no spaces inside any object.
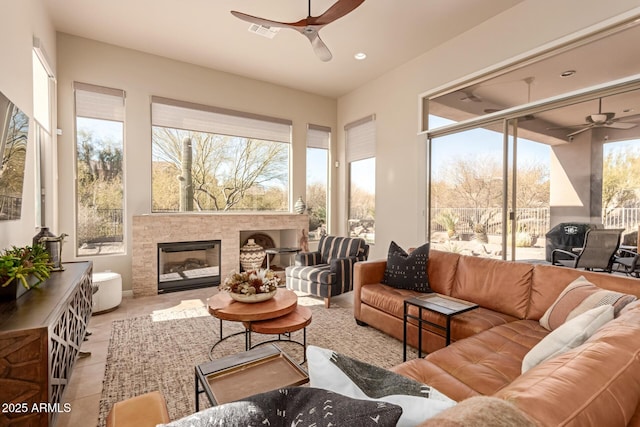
{"x":109,"y":295}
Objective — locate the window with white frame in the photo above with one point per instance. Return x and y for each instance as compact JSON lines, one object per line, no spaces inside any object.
{"x":360,"y":153}
{"x":100,"y":114}
{"x":43,"y":90}
{"x":213,"y":159}
{"x":318,"y":141}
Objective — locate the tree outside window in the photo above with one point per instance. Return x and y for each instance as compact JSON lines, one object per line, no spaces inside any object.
{"x":199,"y":171}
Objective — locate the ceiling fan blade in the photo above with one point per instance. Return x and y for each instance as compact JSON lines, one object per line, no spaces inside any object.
{"x":620,"y":125}
{"x":631,"y":118}
{"x":261,"y":21}
{"x":321,"y":50}
{"x":584,"y":129}
{"x":335,"y":12}
{"x":567,"y":126}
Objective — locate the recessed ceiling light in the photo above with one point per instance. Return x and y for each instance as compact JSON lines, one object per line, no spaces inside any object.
{"x":360,"y":56}
{"x":567,"y":73}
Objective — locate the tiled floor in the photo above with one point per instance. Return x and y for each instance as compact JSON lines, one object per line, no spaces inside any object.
{"x":85,"y":387}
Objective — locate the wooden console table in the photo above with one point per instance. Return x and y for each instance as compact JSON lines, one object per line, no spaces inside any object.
{"x":40,"y":337}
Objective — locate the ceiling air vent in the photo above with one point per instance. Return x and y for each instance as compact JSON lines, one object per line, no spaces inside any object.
{"x":264,"y":31}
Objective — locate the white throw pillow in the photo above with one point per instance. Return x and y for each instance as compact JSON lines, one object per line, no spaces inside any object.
{"x":569,"y":335}
{"x":359,"y":380}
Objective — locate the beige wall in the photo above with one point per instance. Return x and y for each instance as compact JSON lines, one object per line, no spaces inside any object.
{"x":141,"y":76}
{"x":21,"y":21}
{"x":394,"y":98}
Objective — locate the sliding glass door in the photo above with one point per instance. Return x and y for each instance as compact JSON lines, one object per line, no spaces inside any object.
{"x":488,"y":192}
{"x":466,"y":193}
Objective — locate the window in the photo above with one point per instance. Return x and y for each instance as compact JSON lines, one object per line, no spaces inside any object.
{"x":43,"y":89}
{"x":318,"y":138}
{"x":361,"y":148}
{"x":212,"y":159}
{"x":99,"y":169}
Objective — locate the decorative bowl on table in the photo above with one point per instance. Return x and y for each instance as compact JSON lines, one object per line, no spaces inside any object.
{"x":251,"y":286}
{"x":251,"y":298}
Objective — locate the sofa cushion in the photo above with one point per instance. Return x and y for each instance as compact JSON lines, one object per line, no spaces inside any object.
{"x":597,"y":381}
{"x":549,"y":281}
{"x":407,"y":271}
{"x":481,"y":411}
{"x":295,"y":406}
{"x":481,"y":364}
{"x":578,"y":297}
{"x":569,"y":335}
{"x":344,"y":375}
{"x":442,"y":270}
{"x":501,"y":286}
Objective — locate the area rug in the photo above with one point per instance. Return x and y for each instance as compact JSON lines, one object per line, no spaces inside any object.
{"x":160,"y":351}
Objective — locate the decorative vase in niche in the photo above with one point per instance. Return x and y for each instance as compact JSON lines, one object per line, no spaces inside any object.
{"x":300,"y":206}
{"x":251,"y":255}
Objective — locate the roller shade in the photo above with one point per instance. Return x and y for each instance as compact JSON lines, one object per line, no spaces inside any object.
{"x":196,"y":117}
{"x":361,"y":139}
{"x":318,"y":136}
{"x":97,"y":102}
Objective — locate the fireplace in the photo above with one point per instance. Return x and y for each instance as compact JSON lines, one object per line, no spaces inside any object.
{"x":188,"y":265}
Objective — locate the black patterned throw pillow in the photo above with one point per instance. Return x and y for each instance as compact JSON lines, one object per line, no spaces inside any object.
{"x":296,"y":406}
{"x":407,"y":271}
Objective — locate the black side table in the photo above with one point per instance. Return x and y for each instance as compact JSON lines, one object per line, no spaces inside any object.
{"x":281,"y":251}
{"x":436,"y":303}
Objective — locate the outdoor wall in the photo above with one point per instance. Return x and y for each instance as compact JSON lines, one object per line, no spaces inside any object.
{"x":142,"y":75}
{"x":575,"y":169}
{"x":394,"y":98}
{"x":21,"y":21}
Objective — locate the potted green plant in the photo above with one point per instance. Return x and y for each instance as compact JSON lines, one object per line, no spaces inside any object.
{"x":22,"y":268}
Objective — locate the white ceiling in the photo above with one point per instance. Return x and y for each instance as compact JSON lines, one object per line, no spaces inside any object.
{"x":203,"y":32}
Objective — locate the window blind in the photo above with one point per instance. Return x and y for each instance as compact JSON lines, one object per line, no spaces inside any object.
{"x":97,"y":102}
{"x":361,"y":139}
{"x":202,"y":118}
{"x":318,"y":136}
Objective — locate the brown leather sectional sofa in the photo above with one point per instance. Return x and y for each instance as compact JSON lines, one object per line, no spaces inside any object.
{"x":597,"y":383}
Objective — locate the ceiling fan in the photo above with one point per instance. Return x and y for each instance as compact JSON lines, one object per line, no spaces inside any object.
{"x":603,"y":120}
{"x":311,"y":25}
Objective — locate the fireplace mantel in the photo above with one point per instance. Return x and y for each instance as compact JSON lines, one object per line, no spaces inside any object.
{"x":149,"y":230}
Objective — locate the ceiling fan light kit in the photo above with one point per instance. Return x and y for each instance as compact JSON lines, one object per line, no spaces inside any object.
{"x":309,"y":26}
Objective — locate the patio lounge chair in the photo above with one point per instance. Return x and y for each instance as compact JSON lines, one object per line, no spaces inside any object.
{"x":628,"y":262}
{"x":598,"y":252}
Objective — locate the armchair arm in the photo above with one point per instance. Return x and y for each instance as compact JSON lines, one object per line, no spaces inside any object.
{"x":627,"y":253}
{"x":561,"y":251}
{"x":308,"y":258}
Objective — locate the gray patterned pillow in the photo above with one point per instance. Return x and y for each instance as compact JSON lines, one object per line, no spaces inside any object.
{"x":296,"y":406}
{"x":407,"y":271}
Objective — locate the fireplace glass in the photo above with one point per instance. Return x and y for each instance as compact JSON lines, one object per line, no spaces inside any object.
{"x":188,"y":265}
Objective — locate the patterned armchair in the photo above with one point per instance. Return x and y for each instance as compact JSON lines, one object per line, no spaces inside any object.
{"x":329,"y":271}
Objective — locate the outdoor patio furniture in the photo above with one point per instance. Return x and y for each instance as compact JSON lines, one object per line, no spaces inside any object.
{"x":628,"y":262}
{"x":598,"y":252}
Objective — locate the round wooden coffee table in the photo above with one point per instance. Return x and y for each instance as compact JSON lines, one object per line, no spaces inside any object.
{"x":280,"y":316}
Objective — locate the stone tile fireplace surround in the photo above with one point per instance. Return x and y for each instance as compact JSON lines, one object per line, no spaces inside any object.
{"x":149,"y":230}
